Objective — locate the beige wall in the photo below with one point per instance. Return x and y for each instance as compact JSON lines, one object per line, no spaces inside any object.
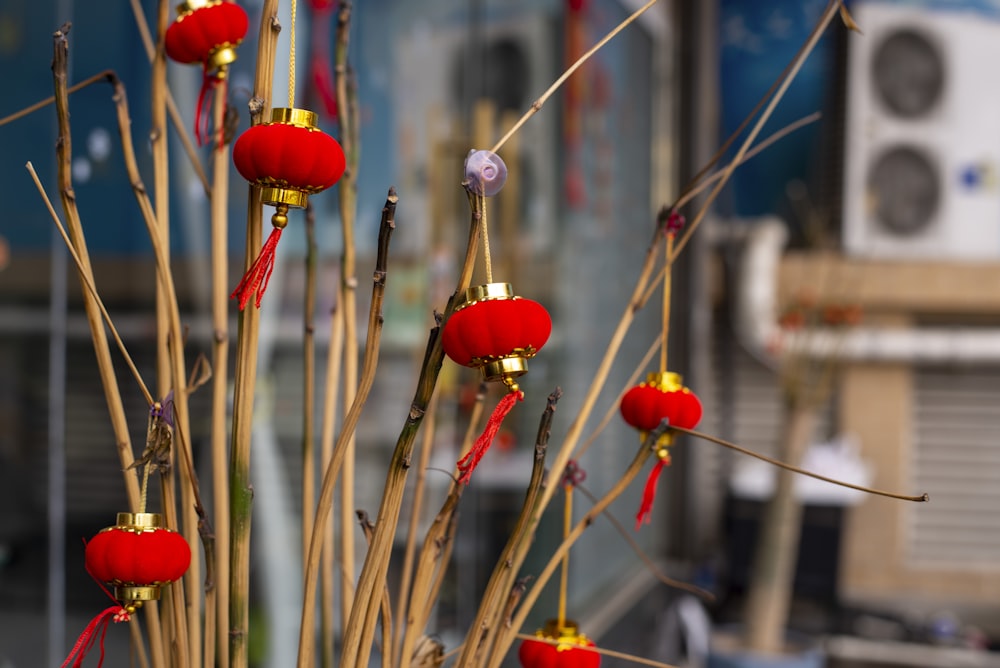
{"x":877,"y":403}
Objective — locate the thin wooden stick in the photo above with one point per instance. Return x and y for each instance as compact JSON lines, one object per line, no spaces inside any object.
{"x":436,"y":551}
{"x":780,"y":464}
{"x":324,"y":505}
{"x":483,"y":627}
{"x":327,"y":575}
{"x":309,"y":384}
{"x":386,"y":602}
{"x":537,"y":104}
{"x":75,"y":228}
{"x":175,"y":115}
{"x":506,"y":637}
{"x":89,"y":284}
{"x":614,"y":407}
{"x":361,"y":625}
{"x":800,"y":58}
{"x":32,"y":108}
{"x":219,"y":224}
{"x":245,"y":374}
{"x":350,"y":142}
{"x":646,"y":560}
{"x":416,"y":510}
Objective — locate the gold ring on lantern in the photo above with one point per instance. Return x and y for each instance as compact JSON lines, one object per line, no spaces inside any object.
{"x":485,"y":292}
{"x":665,"y":381}
{"x":189,"y":6}
{"x":568,"y":633}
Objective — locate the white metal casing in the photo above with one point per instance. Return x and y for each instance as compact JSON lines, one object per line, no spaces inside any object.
{"x":959,"y":135}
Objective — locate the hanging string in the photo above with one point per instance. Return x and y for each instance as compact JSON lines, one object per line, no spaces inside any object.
{"x":291,"y":60}
{"x":666,"y":298}
{"x":486,"y":238}
{"x":145,"y":486}
{"x":564,"y":575}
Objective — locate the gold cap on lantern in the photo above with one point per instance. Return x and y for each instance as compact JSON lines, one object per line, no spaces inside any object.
{"x":666,"y":381}
{"x":189,"y":6}
{"x":139,"y":521}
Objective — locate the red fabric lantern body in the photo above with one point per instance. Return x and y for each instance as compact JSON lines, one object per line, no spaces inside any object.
{"x":137,"y":556}
{"x":206,"y":32}
{"x":496,"y":332}
{"x":290,"y":158}
{"x":570,"y":652}
{"x":663,"y":395}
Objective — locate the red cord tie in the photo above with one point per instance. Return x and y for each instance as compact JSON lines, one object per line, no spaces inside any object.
{"x":649,"y":494}
{"x":95,"y":632}
{"x":259,"y":273}
{"x":468,"y":463}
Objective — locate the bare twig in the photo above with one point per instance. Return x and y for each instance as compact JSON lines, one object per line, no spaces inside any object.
{"x":350,"y":142}
{"x":506,"y":636}
{"x":175,"y":115}
{"x":774,"y":462}
{"x":307,"y":650}
{"x":435,"y":552}
{"x":219,"y":223}
{"x":537,"y":104}
{"x":112,"y":393}
{"x":489,"y":617}
{"x":416,"y":510}
{"x":650,"y":565}
{"x":361,"y":625}
{"x":245,"y":374}
{"x":88,"y":284}
{"x":386,"y":604}
{"x":786,"y":81}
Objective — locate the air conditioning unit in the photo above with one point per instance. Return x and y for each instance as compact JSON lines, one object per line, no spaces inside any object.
{"x":922,"y":134}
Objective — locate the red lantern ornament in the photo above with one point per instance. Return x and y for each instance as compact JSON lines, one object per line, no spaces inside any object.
{"x":559,"y":646}
{"x":290,"y":158}
{"x":645,"y":406}
{"x":136,"y":557}
{"x":497,"y":332}
{"x":207,"y":32}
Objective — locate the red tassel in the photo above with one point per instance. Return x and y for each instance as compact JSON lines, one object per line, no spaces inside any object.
{"x":649,"y":495}
{"x":468,"y":463}
{"x":259,"y":273}
{"x":95,"y":631}
{"x":203,"y":112}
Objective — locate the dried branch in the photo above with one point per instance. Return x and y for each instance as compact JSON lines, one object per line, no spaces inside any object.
{"x":487,"y":622}
{"x":245,"y":374}
{"x":64,"y":155}
{"x":780,"y":464}
{"x":506,"y":636}
{"x":324,"y":506}
{"x":361,"y":625}
{"x":348,"y":191}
